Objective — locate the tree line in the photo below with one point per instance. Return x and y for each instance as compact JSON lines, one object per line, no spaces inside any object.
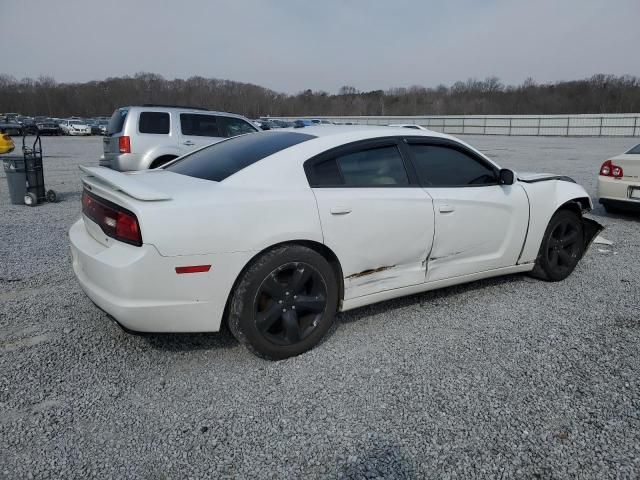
{"x":44,"y":96}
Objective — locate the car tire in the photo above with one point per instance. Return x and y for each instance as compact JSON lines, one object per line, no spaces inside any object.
{"x":160,"y":161}
{"x":610,"y":208}
{"x":284,"y":302}
{"x":562,"y":247}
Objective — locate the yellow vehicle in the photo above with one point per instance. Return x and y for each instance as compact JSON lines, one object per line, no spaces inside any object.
{"x":6,"y":144}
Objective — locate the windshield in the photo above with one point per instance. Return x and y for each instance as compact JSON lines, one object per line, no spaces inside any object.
{"x":75,"y":122}
{"x":221,"y":160}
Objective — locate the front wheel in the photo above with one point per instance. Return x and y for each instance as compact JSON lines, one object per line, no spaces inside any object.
{"x":284,"y":303}
{"x":562,"y":247}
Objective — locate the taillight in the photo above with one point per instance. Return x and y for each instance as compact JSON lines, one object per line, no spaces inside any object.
{"x":124,"y":144}
{"x":609,"y":169}
{"x":115,"y":221}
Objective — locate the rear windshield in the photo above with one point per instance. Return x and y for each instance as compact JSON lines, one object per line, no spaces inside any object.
{"x":635,"y":150}
{"x":117,"y":121}
{"x":221,"y":160}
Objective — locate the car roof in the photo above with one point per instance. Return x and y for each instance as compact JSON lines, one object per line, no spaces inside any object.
{"x":158,"y":108}
{"x":281,"y":170}
{"x":372,"y":131}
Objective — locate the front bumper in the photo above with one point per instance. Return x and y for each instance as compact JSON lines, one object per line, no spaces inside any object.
{"x":140,"y":289}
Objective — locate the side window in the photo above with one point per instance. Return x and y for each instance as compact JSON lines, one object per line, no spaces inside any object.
{"x":232,"y":127}
{"x":324,"y":174}
{"x":199,"y":125}
{"x":374,"y":167}
{"x":441,"y":166}
{"x":153,"y":122}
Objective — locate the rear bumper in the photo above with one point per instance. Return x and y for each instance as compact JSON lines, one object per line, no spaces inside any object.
{"x":123,"y":162}
{"x":141,"y":290}
{"x":612,"y":190}
{"x":626,"y":205}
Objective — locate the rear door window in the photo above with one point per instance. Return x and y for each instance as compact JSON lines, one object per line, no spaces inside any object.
{"x":232,"y":127}
{"x":221,"y":160}
{"x":371,"y":167}
{"x":154,"y":122}
{"x":199,"y":125}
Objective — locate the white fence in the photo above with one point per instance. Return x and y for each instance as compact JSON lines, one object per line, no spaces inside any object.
{"x":606,"y":125}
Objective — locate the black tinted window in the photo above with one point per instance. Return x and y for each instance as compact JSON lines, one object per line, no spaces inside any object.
{"x":325,"y":174}
{"x":116,"y":122}
{"x":374,"y":167}
{"x":154,"y":122}
{"x":199,"y":125}
{"x":221,"y":160}
{"x":443,"y":166}
{"x":232,"y":127}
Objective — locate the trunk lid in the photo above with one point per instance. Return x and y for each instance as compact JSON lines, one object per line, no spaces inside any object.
{"x":143,"y":193}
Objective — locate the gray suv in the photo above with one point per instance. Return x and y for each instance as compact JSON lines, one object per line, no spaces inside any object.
{"x":147,"y":136}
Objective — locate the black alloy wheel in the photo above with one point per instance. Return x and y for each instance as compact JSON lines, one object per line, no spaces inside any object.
{"x":284,"y":302}
{"x":290,"y":303}
{"x":562,"y":247}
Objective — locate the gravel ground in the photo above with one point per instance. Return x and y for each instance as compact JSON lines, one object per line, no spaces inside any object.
{"x":504,"y":378}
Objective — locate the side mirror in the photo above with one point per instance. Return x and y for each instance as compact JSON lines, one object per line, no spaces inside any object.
{"x":506,"y":176}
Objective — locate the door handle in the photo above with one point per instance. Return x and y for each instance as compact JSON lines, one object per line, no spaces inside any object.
{"x":340,"y":210}
{"x":446,"y":208}
{"x":189,"y":143}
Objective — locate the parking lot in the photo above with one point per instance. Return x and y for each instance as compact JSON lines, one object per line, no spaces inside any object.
{"x":502,"y":378}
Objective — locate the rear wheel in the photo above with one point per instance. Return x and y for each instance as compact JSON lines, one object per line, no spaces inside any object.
{"x":562,"y":247}
{"x":284,"y":303}
{"x":158,"y":162}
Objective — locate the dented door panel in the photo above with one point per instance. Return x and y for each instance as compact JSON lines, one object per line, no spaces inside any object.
{"x":381,"y":235}
{"x":477,"y":229}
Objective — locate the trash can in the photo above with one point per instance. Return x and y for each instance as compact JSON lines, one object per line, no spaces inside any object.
{"x":16,"y":178}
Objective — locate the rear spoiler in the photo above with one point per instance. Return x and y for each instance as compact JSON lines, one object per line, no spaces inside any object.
{"x":124,"y":183}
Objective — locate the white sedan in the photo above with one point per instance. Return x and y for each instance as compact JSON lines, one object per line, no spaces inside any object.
{"x":274,"y":232}
{"x":74,"y":127}
{"x":619,"y":182}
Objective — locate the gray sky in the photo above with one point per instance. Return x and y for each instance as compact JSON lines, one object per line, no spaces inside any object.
{"x":291,"y":45}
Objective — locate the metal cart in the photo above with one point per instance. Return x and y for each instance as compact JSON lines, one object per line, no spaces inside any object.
{"x":35,"y":192}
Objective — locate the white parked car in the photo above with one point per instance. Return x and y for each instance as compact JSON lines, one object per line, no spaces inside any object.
{"x":408,"y":125}
{"x":75,"y":127}
{"x":619,"y":182}
{"x":274,"y":232}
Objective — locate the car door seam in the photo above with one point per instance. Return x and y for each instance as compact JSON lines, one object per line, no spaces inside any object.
{"x":526,"y":234}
